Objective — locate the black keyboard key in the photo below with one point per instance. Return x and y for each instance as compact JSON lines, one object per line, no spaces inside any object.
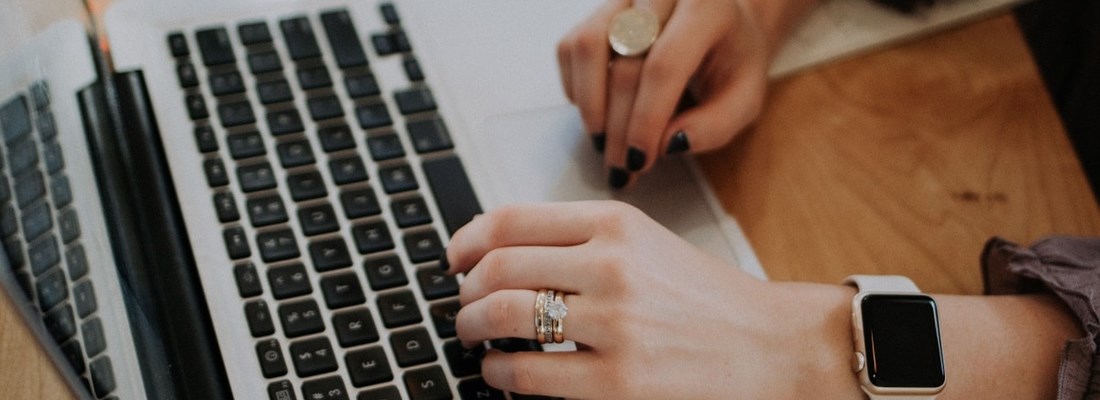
{"x":254,"y":33}
{"x":313,"y":78}
{"x":330,"y":388}
{"x":384,"y":273}
{"x":463,"y":362}
{"x":44,"y":254}
{"x":51,"y":289}
{"x":429,"y":135}
{"x":312,"y":357}
{"x":318,"y":219}
{"x":205,"y":138}
{"x":383,"y":44}
{"x":94,"y":340}
{"x":75,"y":355}
{"x":401,"y":41}
{"x":178,"y":45}
{"x":325,"y":107}
{"x":40,"y":95}
{"x":382,"y":393}
{"x":281,"y":390}
{"x":187,"y":76}
{"x":348,"y":170}
{"x":22,"y":155}
{"x":414,"y":100}
{"x":410,"y":212}
{"x":443,"y":317}
{"x":8,"y":222}
{"x":372,"y":237}
{"x":389,"y":14}
{"x":360,"y":203}
{"x":453,"y":194}
{"x":274,"y":92}
{"x":76,"y":261}
{"x":235,"y":114}
{"x":264,"y":211}
{"x":398,"y":309}
{"x":47,"y":126}
{"x":361,"y":86}
{"x":412,"y":347}
{"x":226,"y":83}
{"x":398,"y":178}
{"x":284,"y":122}
{"x":236,"y":244}
{"x":385,"y":147}
{"x":512,"y":345}
{"x":336,"y":138}
{"x":344,"y":39}
{"x":272,"y":363}
{"x":300,"y":39}
{"x":368,"y":366}
{"x":329,"y":254}
{"x":84,"y":298}
{"x":37,"y":220}
{"x":259,"y":318}
{"x":69,"y":225}
{"x":103,"y":376}
{"x":423,"y":246}
{"x":289,"y":281}
{"x":53,"y":158}
{"x":476,"y":389}
{"x":62,"y":193}
{"x":226,"y":207}
{"x":306,"y":186}
{"x":248,"y":280}
{"x":245,"y":145}
{"x":412,"y":70}
{"x":342,"y":290}
{"x":15,"y":119}
{"x":60,"y":323}
{"x":436,"y":284}
{"x":216,"y":176}
{"x":373,"y":116}
{"x":262,"y":63}
{"x":428,"y":383}
{"x":215,"y":46}
{"x":295,"y":154}
{"x":28,"y":188}
{"x":355,"y":327}
{"x":196,"y":106}
{"x":256,"y":177}
{"x":13,"y":245}
{"x":301,"y":318}
{"x":277,"y":245}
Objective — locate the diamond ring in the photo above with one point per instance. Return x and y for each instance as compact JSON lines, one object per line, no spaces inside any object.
{"x":550,"y":311}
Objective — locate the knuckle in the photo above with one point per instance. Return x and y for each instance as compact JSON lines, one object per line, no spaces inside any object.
{"x":499,"y":312}
{"x":587,"y":44}
{"x":659,"y":69}
{"x":493,"y":269}
{"x":524,"y":377}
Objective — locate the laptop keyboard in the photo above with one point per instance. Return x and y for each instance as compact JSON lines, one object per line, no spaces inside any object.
{"x":41,"y":234}
{"x":331,"y":228}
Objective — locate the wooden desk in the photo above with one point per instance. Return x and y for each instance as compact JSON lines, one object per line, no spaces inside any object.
{"x":903,"y":161}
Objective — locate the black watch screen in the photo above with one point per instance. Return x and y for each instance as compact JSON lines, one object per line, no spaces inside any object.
{"x":902,"y":336}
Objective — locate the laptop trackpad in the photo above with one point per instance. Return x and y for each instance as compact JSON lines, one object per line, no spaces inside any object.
{"x":545,"y":155}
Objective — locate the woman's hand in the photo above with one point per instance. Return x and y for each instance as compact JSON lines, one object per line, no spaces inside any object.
{"x":652,"y":315}
{"x":715,"y":49}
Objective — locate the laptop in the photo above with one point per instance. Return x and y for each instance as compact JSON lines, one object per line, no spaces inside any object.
{"x":248,"y":198}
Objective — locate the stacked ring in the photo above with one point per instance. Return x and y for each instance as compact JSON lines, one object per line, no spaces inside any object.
{"x":550,"y":313}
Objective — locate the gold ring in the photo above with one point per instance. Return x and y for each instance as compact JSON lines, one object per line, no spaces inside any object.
{"x":632,"y":31}
{"x":540,"y":316}
{"x":558,"y":317}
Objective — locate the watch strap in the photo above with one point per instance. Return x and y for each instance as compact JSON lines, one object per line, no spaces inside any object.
{"x":882,"y":283}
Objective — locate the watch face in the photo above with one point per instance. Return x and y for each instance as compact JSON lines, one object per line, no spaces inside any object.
{"x":902,"y":336}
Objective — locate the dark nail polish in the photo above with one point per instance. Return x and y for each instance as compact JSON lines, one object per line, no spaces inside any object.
{"x":618,"y":178}
{"x":443,"y":263}
{"x":599,"y":141}
{"x":635,"y":159}
{"x":678,"y":144}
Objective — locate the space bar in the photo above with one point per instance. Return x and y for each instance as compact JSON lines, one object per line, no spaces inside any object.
{"x":453,"y":193}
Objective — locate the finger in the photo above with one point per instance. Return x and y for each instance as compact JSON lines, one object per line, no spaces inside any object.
{"x":589,"y":53}
{"x":531,"y":268}
{"x":511,"y":314}
{"x":565,"y":68}
{"x":676,"y":55}
{"x":543,"y":224}
{"x":555,"y":374}
{"x":621,"y":90}
{"x":717,"y":118}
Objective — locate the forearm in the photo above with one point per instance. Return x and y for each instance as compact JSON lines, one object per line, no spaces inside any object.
{"x":778,"y":18}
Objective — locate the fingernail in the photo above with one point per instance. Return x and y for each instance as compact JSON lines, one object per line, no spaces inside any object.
{"x":443,"y":264}
{"x":618,"y":178}
{"x":599,"y":140}
{"x":678,"y":144}
{"x":635,"y":159}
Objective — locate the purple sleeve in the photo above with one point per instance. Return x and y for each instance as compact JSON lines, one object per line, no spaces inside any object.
{"x":1069,"y":268}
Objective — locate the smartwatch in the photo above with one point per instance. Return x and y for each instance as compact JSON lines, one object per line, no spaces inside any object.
{"x":896,"y":330}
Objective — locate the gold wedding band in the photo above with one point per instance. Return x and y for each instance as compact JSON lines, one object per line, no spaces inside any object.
{"x":550,"y":311}
{"x":632,"y":31}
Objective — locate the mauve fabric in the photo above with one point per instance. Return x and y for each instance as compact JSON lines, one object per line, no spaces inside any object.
{"x":1068,"y":267}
